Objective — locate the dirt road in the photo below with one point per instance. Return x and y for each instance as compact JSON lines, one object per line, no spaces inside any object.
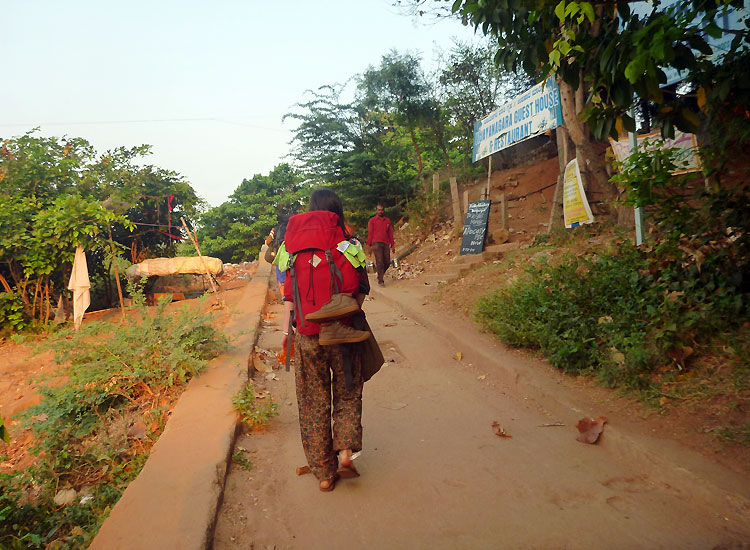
{"x":434,"y":475}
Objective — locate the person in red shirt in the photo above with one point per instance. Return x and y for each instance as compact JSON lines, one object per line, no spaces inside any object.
{"x":380,"y":239}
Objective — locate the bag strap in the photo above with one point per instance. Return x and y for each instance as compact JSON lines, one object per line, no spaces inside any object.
{"x":337,"y":279}
{"x":297,"y":310}
{"x":289,"y":339}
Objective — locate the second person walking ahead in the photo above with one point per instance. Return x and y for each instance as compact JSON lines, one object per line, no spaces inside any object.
{"x":380,"y":240}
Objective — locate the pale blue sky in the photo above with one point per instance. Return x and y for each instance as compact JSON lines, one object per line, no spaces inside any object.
{"x":97,"y":69}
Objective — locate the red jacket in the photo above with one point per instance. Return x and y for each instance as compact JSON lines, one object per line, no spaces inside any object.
{"x":379,"y":230}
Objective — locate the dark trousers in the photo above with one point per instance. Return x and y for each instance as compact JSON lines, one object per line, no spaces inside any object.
{"x":382,"y":259}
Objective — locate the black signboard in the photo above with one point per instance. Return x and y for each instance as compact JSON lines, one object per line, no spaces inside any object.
{"x":475,"y":227}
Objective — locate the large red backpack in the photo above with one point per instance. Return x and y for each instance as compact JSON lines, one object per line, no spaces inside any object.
{"x":318,"y":269}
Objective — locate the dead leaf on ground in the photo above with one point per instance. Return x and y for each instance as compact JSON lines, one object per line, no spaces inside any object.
{"x":40,"y":417}
{"x":260,"y":365}
{"x":499,"y":431}
{"x":65,"y":497}
{"x":590,"y":429}
{"x":459,"y":356}
{"x":390,"y":324}
{"x":137,"y":431}
{"x":302,"y":470}
{"x":679,"y":354}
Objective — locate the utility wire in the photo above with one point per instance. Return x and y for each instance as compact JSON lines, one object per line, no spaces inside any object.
{"x":142,"y":121}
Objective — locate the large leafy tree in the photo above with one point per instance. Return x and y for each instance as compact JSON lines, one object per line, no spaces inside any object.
{"x":157,"y":199}
{"x":363,"y":154}
{"x":57,"y":194}
{"x":472,"y":85}
{"x":399,"y":125}
{"x":48,"y":207}
{"x":605,"y":53}
{"x":235,"y":230}
{"x":328,"y":130}
{"x":398,"y":87}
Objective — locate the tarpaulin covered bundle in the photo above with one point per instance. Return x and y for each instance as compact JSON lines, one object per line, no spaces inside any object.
{"x":173,"y":266}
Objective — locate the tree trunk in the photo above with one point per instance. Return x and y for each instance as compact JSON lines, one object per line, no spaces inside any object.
{"x":107,"y":279}
{"x":447,"y":157}
{"x":419,"y":152}
{"x":47,"y":299}
{"x":590,"y":163}
{"x":33,"y":305}
{"x":5,"y":284}
{"x":440,"y":138}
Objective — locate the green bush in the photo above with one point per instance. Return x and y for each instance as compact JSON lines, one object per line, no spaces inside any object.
{"x":12,"y":316}
{"x":617,"y":314}
{"x":254,"y":411}
{"x":113,"y":377}
{"x":620,"y":313}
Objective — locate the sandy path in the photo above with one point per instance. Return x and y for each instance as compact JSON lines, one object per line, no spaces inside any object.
{"x":434,"y":475}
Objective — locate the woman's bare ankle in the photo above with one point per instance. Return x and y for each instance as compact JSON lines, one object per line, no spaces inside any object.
{"x":345,"y":457}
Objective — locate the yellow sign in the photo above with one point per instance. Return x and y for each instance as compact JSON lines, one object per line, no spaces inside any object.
{"x":576,"y":208}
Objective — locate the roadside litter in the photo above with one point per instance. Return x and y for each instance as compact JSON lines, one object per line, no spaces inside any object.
{"x":590,"y":429}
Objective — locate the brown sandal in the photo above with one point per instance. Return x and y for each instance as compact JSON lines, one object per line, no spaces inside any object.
{"x":348,"y":471}
{"x":331,"y":484}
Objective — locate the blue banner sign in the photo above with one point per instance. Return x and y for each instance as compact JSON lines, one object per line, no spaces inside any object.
{"x":532,"y":113}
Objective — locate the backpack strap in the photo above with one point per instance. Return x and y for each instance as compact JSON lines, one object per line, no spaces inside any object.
{"x":289,"y":340}
{"x":337,"y":279}
{"x":296,"y":298}
{"x":297,"y":310}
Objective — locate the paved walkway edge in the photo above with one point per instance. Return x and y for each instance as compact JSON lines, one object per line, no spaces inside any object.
{"x":173,"y":502}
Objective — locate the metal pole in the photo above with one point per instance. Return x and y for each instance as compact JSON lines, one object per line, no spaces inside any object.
{"x":489,"y":179}
{"x":638,"y":210}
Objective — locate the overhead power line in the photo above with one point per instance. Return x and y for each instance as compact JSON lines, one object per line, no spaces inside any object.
{"x":141,"y":121}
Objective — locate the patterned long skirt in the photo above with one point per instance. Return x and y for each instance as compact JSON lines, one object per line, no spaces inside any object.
{"x":330,"y":415}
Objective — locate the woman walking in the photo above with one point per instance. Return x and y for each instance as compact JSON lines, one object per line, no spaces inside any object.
{"x":328,"y":376}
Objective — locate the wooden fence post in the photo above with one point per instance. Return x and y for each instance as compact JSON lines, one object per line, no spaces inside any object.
{"x":503,"y":212}
{"x":456,"y":203}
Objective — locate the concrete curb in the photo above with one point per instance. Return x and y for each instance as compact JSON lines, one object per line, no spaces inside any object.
{"x":173,"y":502}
